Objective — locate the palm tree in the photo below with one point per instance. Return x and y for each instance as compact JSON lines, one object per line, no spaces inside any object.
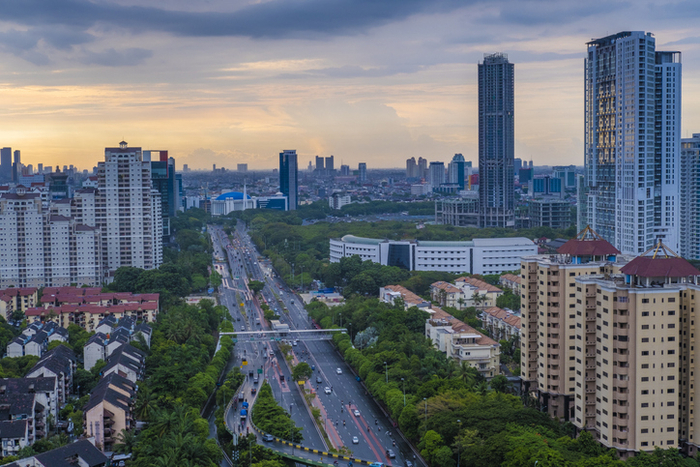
{"x":145,"y":404}
{"x":126,"y":440}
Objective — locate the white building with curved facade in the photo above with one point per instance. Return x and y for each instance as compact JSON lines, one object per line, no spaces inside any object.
{"x":479,"y":256}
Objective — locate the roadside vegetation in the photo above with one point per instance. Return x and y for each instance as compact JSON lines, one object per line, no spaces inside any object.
{"x":451,"y":408}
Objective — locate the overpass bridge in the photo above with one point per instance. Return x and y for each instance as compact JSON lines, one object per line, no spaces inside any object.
{"x":284,"y":334}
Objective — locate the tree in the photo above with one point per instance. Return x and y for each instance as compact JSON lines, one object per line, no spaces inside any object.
{"x":302,"y":371}
{"x":500,"y":383}
{"x":256,"y":286}
{"x":126,"y":278}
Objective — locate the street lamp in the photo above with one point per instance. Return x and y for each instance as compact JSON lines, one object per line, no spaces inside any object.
{"x":460,"y":428}
{"x":404,"y":391}
{"x":291,"y":427}
{"x":386,"y":370}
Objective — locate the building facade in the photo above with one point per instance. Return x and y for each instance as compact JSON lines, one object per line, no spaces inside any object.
{"x":362,"y":172}
{"x":689,"y":218}
{"x":496,"y":141}
{"x":479,"y":256}
{"x":550,"y":212}
{"x":460,"y":212}
{"x":128,"y":211}
{"x":289,"y":177}
{"x":632,"y":141}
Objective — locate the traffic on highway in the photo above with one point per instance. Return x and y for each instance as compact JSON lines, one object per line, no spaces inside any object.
{"x":350,"y":416}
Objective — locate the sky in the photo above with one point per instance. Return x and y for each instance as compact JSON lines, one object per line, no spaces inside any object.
{"x":378,"y":81}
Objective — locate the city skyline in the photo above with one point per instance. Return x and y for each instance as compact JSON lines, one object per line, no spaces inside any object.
{"x":231,"y":82}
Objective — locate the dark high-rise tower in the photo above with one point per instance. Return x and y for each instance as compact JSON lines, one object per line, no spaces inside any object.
{"x":496,"y":141}
{"x":5,"y":164}
{"x":289,"y":177}
{"x":16,"y":167}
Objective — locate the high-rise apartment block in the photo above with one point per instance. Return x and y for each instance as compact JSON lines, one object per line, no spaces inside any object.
{"x":40,"y":247}
{"x":455,"y":171}
{"x":242,"y":168}
{"x":689,"y":218}
{"x":422,"y":168}
{"x":437,"y":174}
{"x":496,"y":141}
{"x":632,"y":141}
{"x":289,"y":177}
{"x":411,"y":168}
{"x":608,"y":342}
{"x":128,"y":210}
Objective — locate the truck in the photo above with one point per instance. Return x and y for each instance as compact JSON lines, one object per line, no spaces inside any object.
{"x":244,"y":414}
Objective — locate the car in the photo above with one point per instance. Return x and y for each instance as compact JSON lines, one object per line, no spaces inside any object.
{"x":319,"y":380}
{"x":390,"y":454}
{"x":255,"y":380}
{"x":338,"y":371}
{"x":356,"y":412}
{"x":268,"y":437}
{"x":376,"y":464}
{"x":409,"y":464}
{"x":294,"y":343}
{"x":253,"y":390}
{"x":327,"y":390}
{"x":355,"y":440}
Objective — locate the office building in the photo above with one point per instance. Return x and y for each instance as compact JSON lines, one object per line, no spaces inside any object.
{"x":689,"y":218}
{"x":289,"y":178}
{"x":455,"y":171}
{"x":344,"y":170}
{"x":437,"y":174}
{"x":411,"y":168}
{"x":329,"y":165}
{"x":517,"y":165}
{"x":496,"y":141}
{"x":567,"y":175}
{"x":338,"y":200}
{"x":632,"y":141}
{"x":362,"y":172}
{"x":243,"y":168}
{"x":319,"y":163}
{"x":479,"y":256}
{"x":16,"y":167}
{"x":128,"y":210}
{"x":5,"y":165}
{"x":164,"y":180}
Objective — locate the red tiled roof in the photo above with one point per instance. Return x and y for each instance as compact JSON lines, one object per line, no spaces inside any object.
{"x":446,"y":286}
{"x":459,"y":326}
{"x":479,"y":283}
{"x":597,"y":247}
{"x":511,"y":277}
{"x":647,"y":266}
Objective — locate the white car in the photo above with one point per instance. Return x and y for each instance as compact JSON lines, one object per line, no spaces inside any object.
{"x":339,"y":371}
{"x":355,"y":440}
{"x":327,"y":390}
{"x":356,"y":412}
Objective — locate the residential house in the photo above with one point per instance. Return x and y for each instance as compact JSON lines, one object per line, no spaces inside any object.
{"x":510,"y":281}
{"x":81,"y":453}
{"x":109,"y":410}
{"x":502,"y":324}
{"x":59,"y":363}
{"x":389,"y":293}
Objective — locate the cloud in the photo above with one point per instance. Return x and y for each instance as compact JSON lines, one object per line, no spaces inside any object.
{"x":274,"y":19}
{"x":112,"y":57}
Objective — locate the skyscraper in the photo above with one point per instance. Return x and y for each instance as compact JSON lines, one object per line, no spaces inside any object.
{"x":496,"y":141}
{"x":362,"y":169}
{"x":632,"y":141}
{"x":422,"y":168}
{"x":411,"y":168}
{"x":689,"y":218}
{"x":16,"y":167}
{"x":5,"y":164}
{"x":437,"y":174}
{"x":319,"y":163}
{"x":289,"y":178}
{"x":128,"y":210}
{"x":455,"y":171}
{"x":330,"y":168}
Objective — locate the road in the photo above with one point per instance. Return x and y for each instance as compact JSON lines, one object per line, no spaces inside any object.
{"x":371,"y":427}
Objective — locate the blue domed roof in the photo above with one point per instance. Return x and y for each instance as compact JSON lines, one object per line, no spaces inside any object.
{"x":232,"y":195}
{"x":458,"y":158}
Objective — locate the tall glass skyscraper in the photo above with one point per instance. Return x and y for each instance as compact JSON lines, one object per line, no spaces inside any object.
{"x":289,"y":178}
{"x":496,"y":141}
{"x":632,"y":141}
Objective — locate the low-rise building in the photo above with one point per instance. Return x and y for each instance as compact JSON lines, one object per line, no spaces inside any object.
{"x":463,"y":343}
{"x":17,"y":299}
{"x":59,"y":363}
{"x":109,"y":410}
{"x":510,"y":281}
{"x":35,"y":339}
{"x":390,"y":293}
{"x":501,"y":324}
{"x":478,"y":293}
{"x":81,"y":453}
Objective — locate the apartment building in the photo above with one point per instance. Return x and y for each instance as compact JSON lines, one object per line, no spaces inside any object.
{"x":615,"y":354}
{"x":463,"y":343}
{"x":109,"y":410}
{"x":17,"y":299}
{"x":41,"y":248}
{"x":548,"y":317}
{"x":128,"y":210}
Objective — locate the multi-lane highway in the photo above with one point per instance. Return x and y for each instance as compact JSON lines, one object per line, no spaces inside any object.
{"x":351,"y":418}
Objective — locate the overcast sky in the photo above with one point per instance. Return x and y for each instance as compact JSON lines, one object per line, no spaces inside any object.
{"x":378,"y":81}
